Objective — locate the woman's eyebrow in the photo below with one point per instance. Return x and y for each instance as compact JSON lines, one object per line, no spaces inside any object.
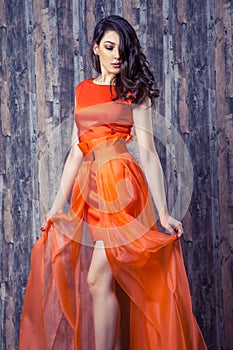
{"x":110,"y":42}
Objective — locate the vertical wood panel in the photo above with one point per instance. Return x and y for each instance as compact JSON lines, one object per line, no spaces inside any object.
{"x":224,"y":109}
{"x":44,"y":54}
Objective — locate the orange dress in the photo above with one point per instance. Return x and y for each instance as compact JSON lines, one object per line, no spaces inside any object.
{"x":110,"y":198}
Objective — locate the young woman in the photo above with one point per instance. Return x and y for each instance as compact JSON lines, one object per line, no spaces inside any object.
{"x":110,"y":196}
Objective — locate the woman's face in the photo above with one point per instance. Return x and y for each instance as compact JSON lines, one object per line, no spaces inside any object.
{"x":108,"y":52}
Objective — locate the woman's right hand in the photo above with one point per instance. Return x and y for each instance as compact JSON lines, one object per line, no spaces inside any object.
{"x":47,"y":217}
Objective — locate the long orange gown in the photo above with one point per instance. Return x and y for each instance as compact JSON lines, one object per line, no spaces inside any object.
{"x":109,"y":197}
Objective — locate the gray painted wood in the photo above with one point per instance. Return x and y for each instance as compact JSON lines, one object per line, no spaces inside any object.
{"x":44,"y":54}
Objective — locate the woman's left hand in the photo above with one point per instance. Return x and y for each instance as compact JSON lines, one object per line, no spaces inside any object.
{"x":173,"y":226}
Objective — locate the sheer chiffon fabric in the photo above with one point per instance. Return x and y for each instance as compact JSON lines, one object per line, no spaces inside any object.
{"x":110,"y":196}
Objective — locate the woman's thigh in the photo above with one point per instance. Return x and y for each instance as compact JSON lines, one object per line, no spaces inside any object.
{"x":100,"y":274}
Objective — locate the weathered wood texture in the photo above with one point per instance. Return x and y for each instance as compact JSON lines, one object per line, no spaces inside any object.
{"x":44,"y":54}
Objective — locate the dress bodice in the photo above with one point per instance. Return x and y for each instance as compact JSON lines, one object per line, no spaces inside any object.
{"x":97,"y":117}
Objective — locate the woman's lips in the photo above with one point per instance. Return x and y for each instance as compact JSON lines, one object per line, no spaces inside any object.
{"x":116,"y":65}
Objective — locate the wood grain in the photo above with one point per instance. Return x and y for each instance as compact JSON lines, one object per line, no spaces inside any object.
{"x":44,"y":54}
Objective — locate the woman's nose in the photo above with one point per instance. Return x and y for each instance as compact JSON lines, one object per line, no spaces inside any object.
{"x":116,"y":53}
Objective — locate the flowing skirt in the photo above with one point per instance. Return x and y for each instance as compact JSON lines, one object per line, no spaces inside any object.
{"x":110,"y":197}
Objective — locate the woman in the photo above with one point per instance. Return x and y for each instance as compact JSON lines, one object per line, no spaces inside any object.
{"x":110,"y":195}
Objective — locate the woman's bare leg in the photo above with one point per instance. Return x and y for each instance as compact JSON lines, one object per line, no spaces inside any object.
{"x":105,"y":305}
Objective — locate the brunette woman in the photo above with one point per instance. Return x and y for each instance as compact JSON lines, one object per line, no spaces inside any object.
{"x":110,"y":196}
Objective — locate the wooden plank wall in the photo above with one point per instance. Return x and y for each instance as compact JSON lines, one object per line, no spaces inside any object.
{"x":44,"y":54}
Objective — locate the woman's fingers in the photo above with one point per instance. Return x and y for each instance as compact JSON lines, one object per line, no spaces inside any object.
{"x":47,"y":218}
{"x":178,"y":230}
{"x":44,"y":223}
{"x":174,"y":227}
{"x":43,"y":227}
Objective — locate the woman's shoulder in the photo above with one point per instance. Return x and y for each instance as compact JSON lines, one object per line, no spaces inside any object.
{"x":83,"y":83}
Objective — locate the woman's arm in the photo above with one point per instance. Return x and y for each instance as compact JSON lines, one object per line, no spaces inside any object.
{"x":152,"y":167}
{"x":67,"y":179}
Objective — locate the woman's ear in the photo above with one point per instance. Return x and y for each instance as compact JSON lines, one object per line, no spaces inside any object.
{"x":96,"y":49}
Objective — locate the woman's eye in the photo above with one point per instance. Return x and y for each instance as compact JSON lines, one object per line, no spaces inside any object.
{"x":109,"y":48}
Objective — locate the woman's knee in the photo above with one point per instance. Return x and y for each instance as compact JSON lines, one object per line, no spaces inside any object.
{"x":92,"y":281}
{"x":99,"y":282}
{"x":99,"y":278}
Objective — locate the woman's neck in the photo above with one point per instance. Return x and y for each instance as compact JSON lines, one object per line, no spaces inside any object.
{"x":103,"y":79}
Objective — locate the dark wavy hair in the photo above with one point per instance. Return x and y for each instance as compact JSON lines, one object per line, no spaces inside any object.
{"x":135,"y":80}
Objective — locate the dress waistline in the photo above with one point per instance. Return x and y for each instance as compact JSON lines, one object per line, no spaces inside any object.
{"x":105,"y":152}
